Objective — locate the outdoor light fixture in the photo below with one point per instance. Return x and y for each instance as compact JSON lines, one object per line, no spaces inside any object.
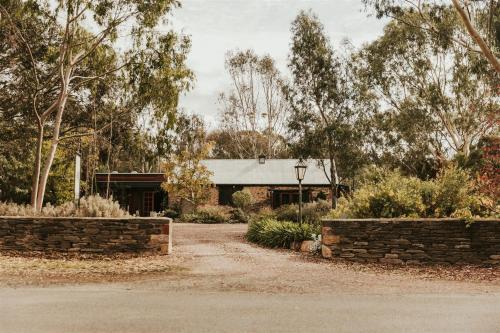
{"x":262,"y":159}
{"x":300,"y":172}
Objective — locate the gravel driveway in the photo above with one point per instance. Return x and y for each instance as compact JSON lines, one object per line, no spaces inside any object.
{"x":224,"y":284}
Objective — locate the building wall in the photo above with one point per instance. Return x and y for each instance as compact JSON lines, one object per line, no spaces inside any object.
{"x":413,"y":241}
{"x":262,"y":195}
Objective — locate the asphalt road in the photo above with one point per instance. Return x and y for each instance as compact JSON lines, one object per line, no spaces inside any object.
{"x":115,"y":309}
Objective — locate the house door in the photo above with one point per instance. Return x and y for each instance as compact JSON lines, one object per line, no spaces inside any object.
{"x":148,"y":203}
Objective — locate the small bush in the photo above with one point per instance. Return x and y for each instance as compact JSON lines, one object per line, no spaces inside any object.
{"x":172,"y":213}
{"x":242,"y":199}
{"x":96,"y":206}
{"x":312,"y":212}
{"x":287,"y":213}
{"x":91,"y":206}
{"x":209,"y":215}
{"x":265,"y":213}
{"x":273,"y":233}
{"x":238,"y":215}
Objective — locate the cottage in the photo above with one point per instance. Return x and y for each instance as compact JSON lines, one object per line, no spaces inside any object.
{"x":272,"y":183}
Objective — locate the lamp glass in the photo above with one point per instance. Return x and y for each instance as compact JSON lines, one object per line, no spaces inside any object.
{"x":300,"y":169}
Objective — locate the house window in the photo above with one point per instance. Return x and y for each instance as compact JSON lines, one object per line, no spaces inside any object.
{"x":287,"y":197}
{"x":148,"y":203}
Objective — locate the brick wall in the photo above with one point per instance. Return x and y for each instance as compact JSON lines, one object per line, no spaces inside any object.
{"x":86,"y":235}
{"x":412,"y":241}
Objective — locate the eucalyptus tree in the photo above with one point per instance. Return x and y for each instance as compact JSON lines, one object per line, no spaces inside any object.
{"x":323,"y":100}
{"x":65,"y":47}
{"x":479,"y":32}
{"x":255,"y":110}
{"x":433,"y":95}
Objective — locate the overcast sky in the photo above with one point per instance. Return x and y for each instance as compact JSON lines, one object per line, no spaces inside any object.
{"x":217,"y":26}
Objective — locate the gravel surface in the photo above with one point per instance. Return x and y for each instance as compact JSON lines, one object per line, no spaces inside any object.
{"x":217,"y":257}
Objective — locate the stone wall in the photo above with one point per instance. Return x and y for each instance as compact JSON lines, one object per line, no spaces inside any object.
{"x":412,"y":241}
{"x":86,"y":235}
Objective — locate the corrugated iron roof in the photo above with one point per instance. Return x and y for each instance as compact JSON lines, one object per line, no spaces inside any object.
{"x":245,"y":172}
{"x":272,"y":172}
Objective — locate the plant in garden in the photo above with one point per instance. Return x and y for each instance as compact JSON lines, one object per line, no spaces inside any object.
{"x":186,"y":178}
{"x":91,"y":206}
{"x":273,"y":233}
{"x":242,"y":199}
{"x":390,"y":194}
{"x":312,"y":212}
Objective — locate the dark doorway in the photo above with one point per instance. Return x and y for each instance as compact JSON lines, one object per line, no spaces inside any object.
{"x":226,"y":194}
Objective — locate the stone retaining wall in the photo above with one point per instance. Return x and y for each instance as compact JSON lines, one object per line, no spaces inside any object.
{"x":412,"y":241}
{"x":86,"y":235}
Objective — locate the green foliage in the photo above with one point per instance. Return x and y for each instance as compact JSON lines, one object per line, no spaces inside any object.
{"x":287,"y":213}
{"x":172,"y":213}
{"x":274,"y":233}
{"x":238,"y":215}
{"x":312,"y":212}
{"x":186,"y":178}
{"x":326,"y":111}
{"x":242,"y":199}
{"x":216,"y":214}
{"x":389,"y":194}
{"x":92,"y":206}
{"x":208,"y":215}
{"x":434,"y":97}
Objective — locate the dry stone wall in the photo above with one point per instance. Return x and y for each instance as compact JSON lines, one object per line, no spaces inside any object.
{"x":412,"y":241}
{"x":86,"y":235}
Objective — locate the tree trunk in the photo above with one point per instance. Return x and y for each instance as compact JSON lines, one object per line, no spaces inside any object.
{"x":52,"y":153}
{"x":485,"y":49}
{"x":334,"y":180}
{"x":37,"y":166}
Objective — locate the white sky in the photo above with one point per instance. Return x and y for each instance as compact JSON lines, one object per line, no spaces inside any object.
{"x":217,"y":26}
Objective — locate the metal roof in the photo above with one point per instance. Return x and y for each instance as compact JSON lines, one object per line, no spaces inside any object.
{"x":242,"y":172}
{"x":272,"y":172}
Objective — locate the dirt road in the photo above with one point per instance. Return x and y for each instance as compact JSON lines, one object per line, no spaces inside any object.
{"x":225,"y":284}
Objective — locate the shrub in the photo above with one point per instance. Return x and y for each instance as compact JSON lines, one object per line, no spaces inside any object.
{"x":242,"y":199}
{"x":454,"y":195}
{"x":238,"y":215}
{"x":96,"y":206}
{"x":273,"y":233}
{"x":390,"y":194}
{"x":265,"y":213}
{"x":209,"y":215}
{"x":287,"y":212}
{"x":91,"y":206}
{"x":312,"y":212}
{"x":172,"y":213}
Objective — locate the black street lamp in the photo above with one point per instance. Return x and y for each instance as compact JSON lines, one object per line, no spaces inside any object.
{"x":300,"y":172}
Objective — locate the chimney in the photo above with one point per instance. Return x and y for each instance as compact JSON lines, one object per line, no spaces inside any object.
{"x":262,"y":159}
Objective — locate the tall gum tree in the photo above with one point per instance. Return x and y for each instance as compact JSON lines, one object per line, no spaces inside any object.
{"x":436,"y":92}
{"x":480,"y":20}
{"x":254,"y":110}
{"x":84,"y":33}
{"x":322,"y":98}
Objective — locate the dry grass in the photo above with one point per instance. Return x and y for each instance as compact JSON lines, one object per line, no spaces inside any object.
{"x":16,"y":270}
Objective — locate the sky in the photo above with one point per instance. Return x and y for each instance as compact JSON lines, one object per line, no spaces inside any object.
{"x":218,"y":26}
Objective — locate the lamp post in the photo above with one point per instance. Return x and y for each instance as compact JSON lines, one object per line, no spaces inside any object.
{"x":300,"y":171}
